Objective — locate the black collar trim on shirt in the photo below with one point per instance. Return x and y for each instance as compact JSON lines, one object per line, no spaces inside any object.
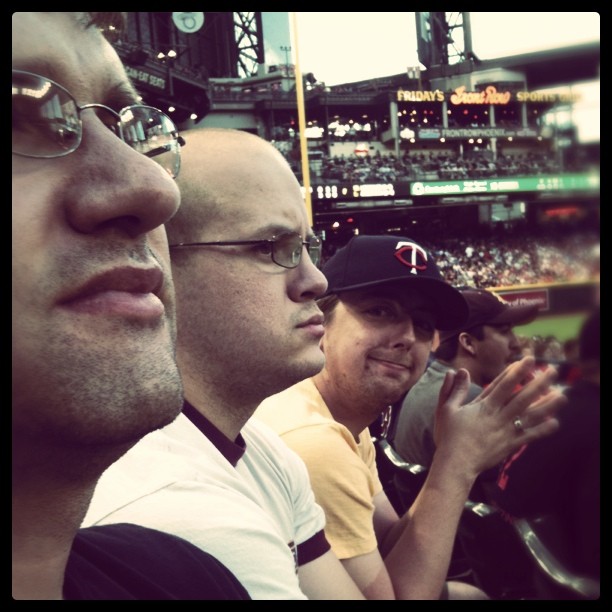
{"x":232,"y":451}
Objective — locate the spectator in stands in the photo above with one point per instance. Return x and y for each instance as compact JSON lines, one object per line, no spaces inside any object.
{"x":527,"y":344}
{"x":484,"y":345}
{"x":558,"y":480}
{"x":384,"y":300}
{"x":93,"y":326}
{"x":506,"y":259}
{"x":442,"y":165}
{"x":549,"y":350}
{"x":248,"y":326}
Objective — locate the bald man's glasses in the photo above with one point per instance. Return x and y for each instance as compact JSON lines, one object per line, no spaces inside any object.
{"x":285,"y":250}
{"x":47,"y":123}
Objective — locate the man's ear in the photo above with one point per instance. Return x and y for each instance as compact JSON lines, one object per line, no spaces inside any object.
{"x":466,"y":341}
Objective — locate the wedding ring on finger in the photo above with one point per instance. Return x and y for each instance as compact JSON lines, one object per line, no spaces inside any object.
{"x":518,"y":425}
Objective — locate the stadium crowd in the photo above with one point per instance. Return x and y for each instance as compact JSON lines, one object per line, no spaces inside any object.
{"x":432,"y":166}
{"x":386,"y":167}
{"x":519,"y":259}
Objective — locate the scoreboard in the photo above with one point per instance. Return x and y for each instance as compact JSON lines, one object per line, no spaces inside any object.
{"x":409,"y":193}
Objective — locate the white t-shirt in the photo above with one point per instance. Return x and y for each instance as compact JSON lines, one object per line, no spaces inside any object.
{"x":258,"y":517}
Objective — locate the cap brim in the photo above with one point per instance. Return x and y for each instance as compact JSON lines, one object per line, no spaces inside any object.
{"x":516,"y":315}
{"x":448,"y":305}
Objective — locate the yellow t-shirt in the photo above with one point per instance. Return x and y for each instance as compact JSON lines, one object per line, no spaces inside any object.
{"x":342,"y":471}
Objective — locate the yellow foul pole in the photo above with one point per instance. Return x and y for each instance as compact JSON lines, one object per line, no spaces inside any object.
{"x":299,"y":88}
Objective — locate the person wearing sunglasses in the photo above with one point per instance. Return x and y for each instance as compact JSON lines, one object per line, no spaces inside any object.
{"x":93,"y":315}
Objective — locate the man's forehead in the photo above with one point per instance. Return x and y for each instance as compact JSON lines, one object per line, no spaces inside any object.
{"x":62,"y":47}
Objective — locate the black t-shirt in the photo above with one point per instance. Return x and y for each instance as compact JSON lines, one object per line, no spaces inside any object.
{"x":559,"y":477}
{"x":125,"y":561}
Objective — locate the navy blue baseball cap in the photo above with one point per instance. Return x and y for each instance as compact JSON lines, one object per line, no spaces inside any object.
{"x":370,"y":261}
{"x":488,"y":308}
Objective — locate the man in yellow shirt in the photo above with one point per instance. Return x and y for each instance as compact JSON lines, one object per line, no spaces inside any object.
{"x":385,"y":299}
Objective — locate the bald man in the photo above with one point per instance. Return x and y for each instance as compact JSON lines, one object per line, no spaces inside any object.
{"x":248,"y":326}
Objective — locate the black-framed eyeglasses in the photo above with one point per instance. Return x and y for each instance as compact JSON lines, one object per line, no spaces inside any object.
{"x":47,"y":123}
{"x":285,"y":249}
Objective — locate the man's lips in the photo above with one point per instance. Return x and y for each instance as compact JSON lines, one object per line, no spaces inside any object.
{"x":399,"y":365}
{"x":127,"y":291}
{"x":314,"y":325}
{"x":314,"y":320}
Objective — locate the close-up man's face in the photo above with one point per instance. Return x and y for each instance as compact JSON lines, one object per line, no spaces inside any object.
{"x":92,"y":296}
{"x":498,"y":348}
{"x":253,"y":323}
{"x":377,"y":342}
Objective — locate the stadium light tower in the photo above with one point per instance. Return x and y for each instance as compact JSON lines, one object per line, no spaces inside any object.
{"x":287,"y":50}
{"x":444,"y":39}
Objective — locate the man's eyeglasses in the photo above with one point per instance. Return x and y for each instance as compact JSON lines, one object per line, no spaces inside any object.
{"x":47,"y":123}
{"x":285,"y":250}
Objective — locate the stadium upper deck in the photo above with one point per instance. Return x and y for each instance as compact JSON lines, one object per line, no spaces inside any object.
{"x":459,"y":146}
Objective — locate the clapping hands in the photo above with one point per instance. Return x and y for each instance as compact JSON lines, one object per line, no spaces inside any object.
{"x":515,"y":409}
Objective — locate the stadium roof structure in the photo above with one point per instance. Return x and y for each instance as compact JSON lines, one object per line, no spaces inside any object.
{"x":542,"y":69}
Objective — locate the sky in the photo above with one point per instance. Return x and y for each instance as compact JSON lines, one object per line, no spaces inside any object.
{"x":345,"y":47}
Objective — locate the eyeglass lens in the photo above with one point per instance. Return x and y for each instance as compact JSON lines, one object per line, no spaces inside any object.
{"x":287,"y":250}
{"x":46,"y":123}
{"x":45,"y":117}
{"x":153,"y":134}
{"x":314,"y":249}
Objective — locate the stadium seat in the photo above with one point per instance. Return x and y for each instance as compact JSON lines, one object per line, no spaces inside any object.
{"x":402,"y":482}
{"x":552,"y":579}
{"x":519,"y":558}
{"x":508,"y":559}
{"x":499,"y":562}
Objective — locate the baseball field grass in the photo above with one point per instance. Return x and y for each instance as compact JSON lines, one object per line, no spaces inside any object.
{"x":562,"y":327}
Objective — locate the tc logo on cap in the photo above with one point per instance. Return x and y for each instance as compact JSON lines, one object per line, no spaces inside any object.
{"x":409,"y":254}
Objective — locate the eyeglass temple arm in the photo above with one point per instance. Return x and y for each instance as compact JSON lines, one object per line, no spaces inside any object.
{"x":163,"y":148}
